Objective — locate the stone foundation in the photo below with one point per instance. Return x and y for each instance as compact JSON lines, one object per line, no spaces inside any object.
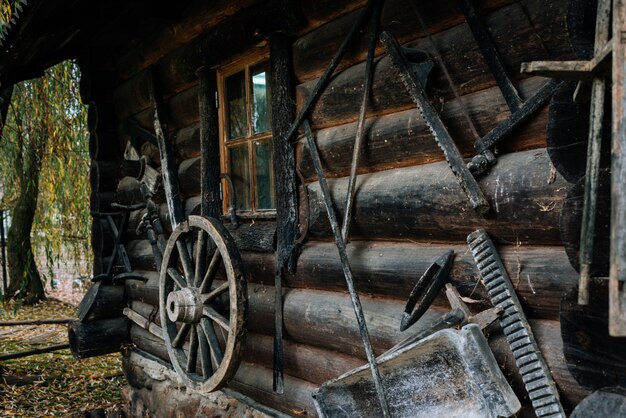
{"x":153,"y":392}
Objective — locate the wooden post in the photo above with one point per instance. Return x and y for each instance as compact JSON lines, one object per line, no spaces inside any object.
{"x":209,"y":143}
{"x":283,"y":112}
{"x":617,"y":271}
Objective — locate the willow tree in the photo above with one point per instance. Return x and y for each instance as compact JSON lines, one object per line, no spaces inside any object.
{"x":44,"y":164}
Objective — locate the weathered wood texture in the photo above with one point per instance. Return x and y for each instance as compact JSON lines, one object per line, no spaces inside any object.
{"x":209,"y":143}
{"x":95,"y":338}
{"x":567,"y":134}
{"x":403,"y":139}
{"x":256,"y":382}
{"x":427,"y":204}
{"x":340,"y":103}
{"x":337,"y":105}
{"x":390,"y":269}
{"x":325,"y":320}
{"x":540,"y":274}
{"x":102,"y":301}
{"x":283,"y":153}
{"x":595,"y":358}
{"x":313,"y":50}
{"x":195,"y":20}
{"x":571,"y":219}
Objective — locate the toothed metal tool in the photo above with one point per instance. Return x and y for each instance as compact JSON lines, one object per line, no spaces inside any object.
{"x":533,"y":368}
{"x":435,"y":124}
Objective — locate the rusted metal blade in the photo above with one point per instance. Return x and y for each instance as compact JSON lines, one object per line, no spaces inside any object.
{"x":438,"y":129}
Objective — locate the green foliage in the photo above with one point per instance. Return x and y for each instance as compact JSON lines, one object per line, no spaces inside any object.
{"x":46,"y":126}
{"x":7,"y":8}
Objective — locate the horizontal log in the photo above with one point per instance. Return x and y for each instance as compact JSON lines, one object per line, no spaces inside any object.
{"x":257,"y":237}
{"x":148,"y":342}
{"x":390,"y":269}
{"x":176,"y":63}
{"x":102,"y":301}
{"x":313,"y":364}
{"x":540,"y":274}
{"x":128,"y":192}
{"x":101,"y":237}
{"x":515,"y":37}
{"x":320,"y":12}
{"x":403,"y":139}
{"x":315,"y":49}
{"x":103,"y":146}
{"x":195,"y":20}
{"x":187,"y":142}
{"x":426,"y":203}
{"x":256,"y":382}
{"x":146,"y":291}
{"x":326,"y":320}
{"x":101,"y":201}
{"x":96,"y":338}
{"x":182,"y":109}
{"x":104,"y":175}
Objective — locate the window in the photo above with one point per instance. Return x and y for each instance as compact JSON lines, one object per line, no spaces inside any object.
{"x":246,"y":136}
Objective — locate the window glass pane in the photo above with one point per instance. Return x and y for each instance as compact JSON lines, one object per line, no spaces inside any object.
{"x":261,"y":112}
{"x":236,"y":98}
{"x":240,"y":174}
{"x":264,"y":175}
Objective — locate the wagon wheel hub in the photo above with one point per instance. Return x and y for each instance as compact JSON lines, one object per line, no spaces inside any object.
{"x":203,"y":303}
{"x":185,"y":306}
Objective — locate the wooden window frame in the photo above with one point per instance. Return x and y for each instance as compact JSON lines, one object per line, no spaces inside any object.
{"x":245,"y":64}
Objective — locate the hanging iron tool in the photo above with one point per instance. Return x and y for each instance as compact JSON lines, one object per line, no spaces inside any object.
{"x":520,"y":110}
{"x":347,"y":271}
{"x":533,"y":368}
{"x":301,"y":120}
{"x":426,"y":289}
{"x":596,"y":69}
{"x":435,"y":124}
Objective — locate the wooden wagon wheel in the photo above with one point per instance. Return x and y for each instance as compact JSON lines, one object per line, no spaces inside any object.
{"x":203,"y":319}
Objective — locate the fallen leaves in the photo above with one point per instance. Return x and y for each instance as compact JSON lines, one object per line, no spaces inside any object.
{"x":69,"y":385}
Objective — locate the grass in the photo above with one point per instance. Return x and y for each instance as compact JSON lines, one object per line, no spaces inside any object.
{"x":69,"y":386}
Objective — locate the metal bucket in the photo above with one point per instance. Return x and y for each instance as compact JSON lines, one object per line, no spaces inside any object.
{"x":448,"y":374}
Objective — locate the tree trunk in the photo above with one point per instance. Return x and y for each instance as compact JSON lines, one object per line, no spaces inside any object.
{"x":26,"y":283}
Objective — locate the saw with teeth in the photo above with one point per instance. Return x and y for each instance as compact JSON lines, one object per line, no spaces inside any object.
{"x":435,"y":124}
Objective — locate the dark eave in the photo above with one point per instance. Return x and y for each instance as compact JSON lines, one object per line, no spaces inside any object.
{"x":49,"y":31}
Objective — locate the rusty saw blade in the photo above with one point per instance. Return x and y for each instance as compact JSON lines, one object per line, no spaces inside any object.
{"x":435,"y":124}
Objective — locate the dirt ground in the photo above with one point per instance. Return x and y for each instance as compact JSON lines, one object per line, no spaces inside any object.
{"x":53,"y":384}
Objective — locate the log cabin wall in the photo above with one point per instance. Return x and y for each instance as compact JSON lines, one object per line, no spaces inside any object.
{"x":409,"y":207}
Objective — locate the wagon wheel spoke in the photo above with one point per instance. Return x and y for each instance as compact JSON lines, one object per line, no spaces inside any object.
{"x":206,"y":298}
{"x":203,"y":320}
{"x":217,"y":317}
{"x":205,"y":354}
{"x":214,"y":343}
{"x":185,"y":260}
{"x":180,"y":337}
{"x":177,"y":277}
{"x":207,"y":281}
{"x":199,"y":256}
{"x":192,"y":358}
